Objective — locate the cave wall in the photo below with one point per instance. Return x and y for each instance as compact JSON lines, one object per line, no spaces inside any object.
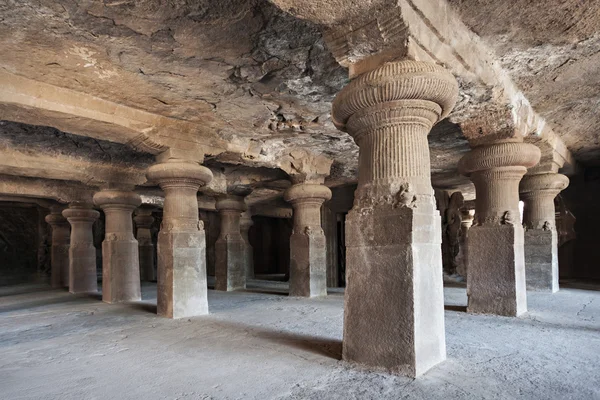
{"x":270,"y":238}
{"x":580,"y":258}
{"x":23,"y":243}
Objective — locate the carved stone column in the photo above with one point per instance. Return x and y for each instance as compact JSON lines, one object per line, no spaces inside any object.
{"x":59,"y":252}
{"x":182,"y":286}
{"x":308,"y":263}
{"x":541,"y":239}
{"x":245,"y":223}
{"x":394,"y":307}
{"x":143,"y":221}
{"x":82,"y":253}
{"x":463,"y":252}
{"x":120,"y":256}
{"x":496,"y":283}
{"x":230,"y":247}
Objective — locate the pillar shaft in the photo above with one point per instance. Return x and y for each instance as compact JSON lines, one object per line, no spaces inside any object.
{"x":541,"y":239}
{"x":496,"y":282}
{"x":143,"y":221}
{"x":59,"y":252}
{"x":308,"y":262}
{"x":82,"y":253}
{"x":245,"y":225}
{"x":394,"y":306}
{"x":120,"y":257}
{"x":230,"y":247}
{"x":181,"y":285}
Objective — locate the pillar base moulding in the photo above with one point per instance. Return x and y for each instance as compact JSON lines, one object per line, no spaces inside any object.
{"x":82,"y":253}
{"x":120,"y":258}
{"x":182,"y":284}
{"x":143,"y":220}
{"x":308,"y":247}
{"x":541,"y":238}
{"x":59,"y":252}
{"x":496,"y":283}
{"x":230,"y":247}
{"x":394,"y":304}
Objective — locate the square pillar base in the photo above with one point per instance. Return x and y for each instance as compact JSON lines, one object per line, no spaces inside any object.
{"x":496,"y":283}
{"x":82,"y":269}
{"x":120,"y":271}
{"x":230,"y":264}
{"x":308,"y":269}
{"x":394,"y":304}
{"x":59,"y":256}
{"x":182,"y":285}
{"x":541,"y":260}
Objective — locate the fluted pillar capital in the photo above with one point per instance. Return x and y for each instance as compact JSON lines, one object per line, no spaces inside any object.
{"x":56,"y":219}
{"x":496,"y":170}
{"x":176,"y":173}
{"x":549,"y":184}
{"x":516,"y":155}
{"x":307,"y":193}
{"x":395,"y":92}
{"x":231,"y":203}
{"x":117,"y":199}
{"x":80,"y":212}
{"x":538,"y":192}
{"x":389,"y":112}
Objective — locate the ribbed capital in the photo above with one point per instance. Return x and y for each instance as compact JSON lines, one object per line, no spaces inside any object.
{"x":144,"y":221}
{"x":389,"y":113}
{"x":231,"y":202}
{"x":543,"y":184}
{"x":80,"y":212}
{"x":304,"y":192}
{"x":510,"y":154}
{"x":396,"y":81}
{"x":106,"y":199}
{"x":179,"y":173}
{"x":56,"y":220}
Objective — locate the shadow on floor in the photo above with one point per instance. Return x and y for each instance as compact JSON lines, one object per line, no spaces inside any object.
{"x":451,"y":307}
{"x":45,"y":301}
{"x":322,"y":346}
{"x":144,"y":306}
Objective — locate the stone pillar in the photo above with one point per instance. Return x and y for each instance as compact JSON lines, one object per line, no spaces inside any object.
{"x":308,"y":247}
{"x":143,"y":221}
{"x":59,"y":252}
{"x":541,"y":239}
{"x":496,"y":283}
{"x":82,"y":253}
{"x":120,"y":257}
{"x":394,"y":305}
{"x":182,"y":287}
{"x":463,"y":253}
{"x":230,"y":247}
{"x":245,"y":223}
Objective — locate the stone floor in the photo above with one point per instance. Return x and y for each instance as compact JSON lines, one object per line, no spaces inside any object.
{"x":260,"y":344}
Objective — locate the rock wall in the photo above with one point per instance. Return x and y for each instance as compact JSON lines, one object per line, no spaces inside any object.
{"x":580,"y":257}
{"x":19,"y":233}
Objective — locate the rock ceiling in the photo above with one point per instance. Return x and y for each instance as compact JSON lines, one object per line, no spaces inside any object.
{"x":252,"y":82}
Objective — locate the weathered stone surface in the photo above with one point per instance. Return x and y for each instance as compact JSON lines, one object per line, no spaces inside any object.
{"x":394,"y":306}
{"x":143,"y":221}
{"x":120,"y":255}
{"x":181,"y":285}
{"x":246,"y":223}
{"x":496,"y":283}
{"x":230,"y":247}
{"x":61,"y":234}
{"x":308,"y":266}
{"x":541,"y":239}
{"x":82,"y":253}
